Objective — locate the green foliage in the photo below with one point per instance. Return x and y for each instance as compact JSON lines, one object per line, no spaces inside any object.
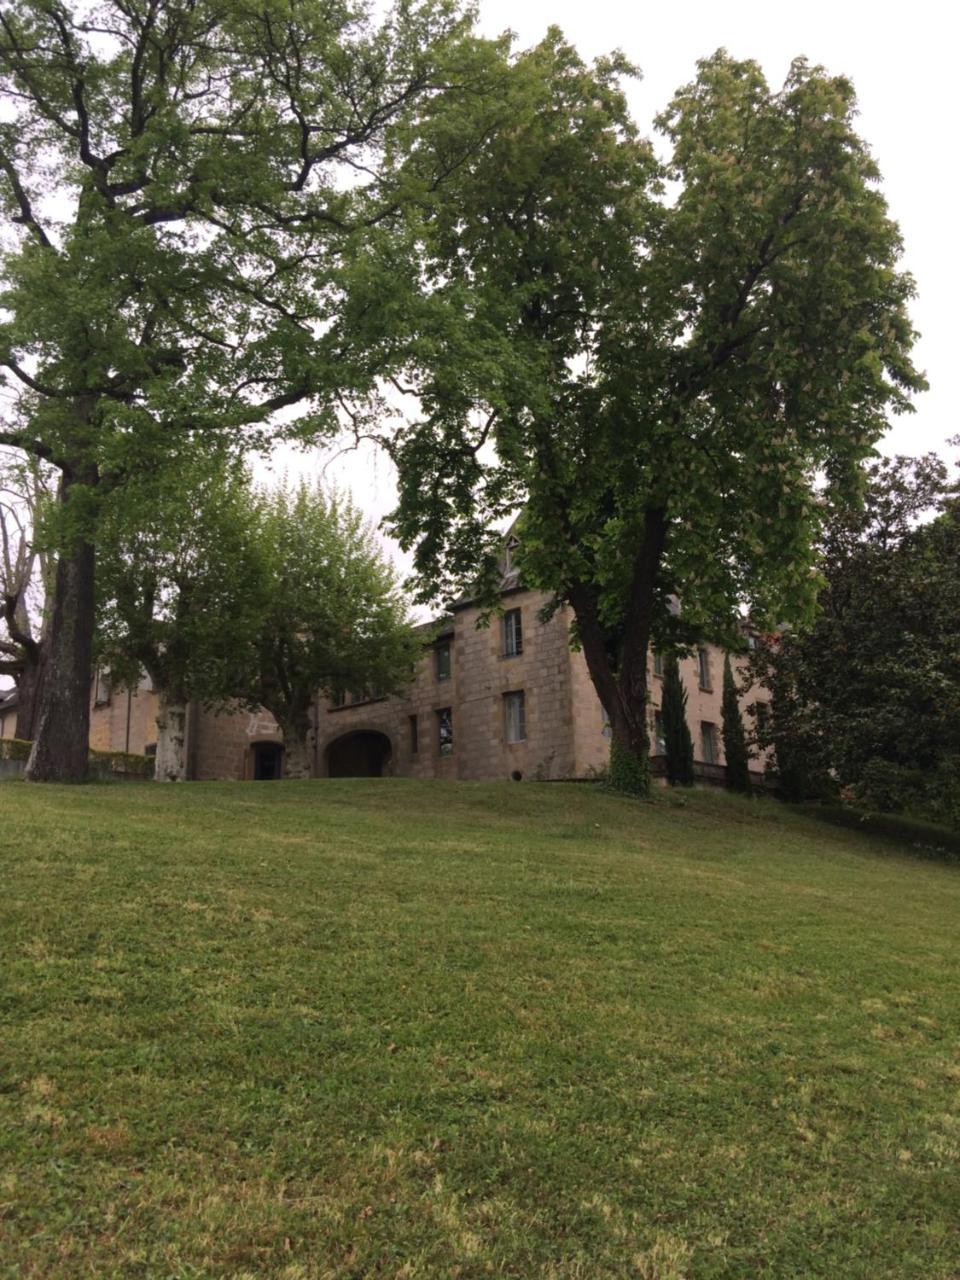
{"x":867,"y":699}
{"x":104,"y":763}
{"x":219,"y":189}
{"x":332,"y":615}
{"x":216,"y":260}
{"x":734,"y":735}
{"x":227,"y":593}
{"x":178,"y":579}
{"x":676,"y":731}
{"x":627,"y":773}
{"x":665,"y":355}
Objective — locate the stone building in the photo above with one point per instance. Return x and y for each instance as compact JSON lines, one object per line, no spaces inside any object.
{"x":510,"y":700}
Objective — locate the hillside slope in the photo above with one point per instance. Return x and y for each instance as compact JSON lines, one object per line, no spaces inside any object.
{"x":389,"y":1028}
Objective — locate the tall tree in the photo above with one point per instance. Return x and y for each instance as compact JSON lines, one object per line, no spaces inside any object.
{"x":868,"y":697}
{"x":180,"y":592}
{"x":332,"y":620}
{"x":734,"y":735}
{"x":214,"y":167}
{"x":676,"y":731}
{"x":654,"y":360}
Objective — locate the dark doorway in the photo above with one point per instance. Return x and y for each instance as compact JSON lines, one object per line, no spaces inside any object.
{"x":358,"y":755}
{"x":267,"y":761}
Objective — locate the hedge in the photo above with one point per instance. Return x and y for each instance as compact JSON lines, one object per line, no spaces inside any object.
{"x":103,"y":763}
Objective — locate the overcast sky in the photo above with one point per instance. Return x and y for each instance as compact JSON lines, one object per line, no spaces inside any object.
{"x":901,"y":60}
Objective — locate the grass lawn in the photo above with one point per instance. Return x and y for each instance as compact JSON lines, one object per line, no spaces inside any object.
{"x":401,"y":1029}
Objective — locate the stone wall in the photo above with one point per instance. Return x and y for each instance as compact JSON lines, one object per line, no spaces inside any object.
{"x":122,"y":719}
{"x":220,"y":743}
{"x":566,"y":734}
{"x":8,"y":722}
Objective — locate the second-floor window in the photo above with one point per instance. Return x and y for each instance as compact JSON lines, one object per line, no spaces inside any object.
{"x":101,"y":688}
{"x":703,"y":668}
{"x":445,"y":731}
{"x":442,"y":656}
{"x":515,"y":716}
{"x":512,"y":633}
{"x":658,"y":664}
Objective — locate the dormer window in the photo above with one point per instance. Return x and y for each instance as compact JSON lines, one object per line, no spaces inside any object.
{"x":509,"y":555}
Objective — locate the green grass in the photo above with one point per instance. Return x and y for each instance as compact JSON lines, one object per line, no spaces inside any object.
{"x":401,"y":1029}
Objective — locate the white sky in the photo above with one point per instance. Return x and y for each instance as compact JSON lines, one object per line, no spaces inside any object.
{"x":901,"y":60}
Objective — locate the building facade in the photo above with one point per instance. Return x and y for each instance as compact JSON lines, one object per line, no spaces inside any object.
{"x":508,"y":700}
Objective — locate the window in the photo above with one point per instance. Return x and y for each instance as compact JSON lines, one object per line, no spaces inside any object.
{"x":761,"y":712}
{"x":101,"y":688}
{"x":512,"y":634}
{"x":659,"y":740}
{"x":509,"y":555}
{"x":708,"y":742}
{"x":374,"y":694}
{"x":442,"y":659}
{"x":445,"y":732}
{"x":658,"y":664}
{"x":515,"y":717}
{"x":414,"y":735}
{"x":703,"y":668}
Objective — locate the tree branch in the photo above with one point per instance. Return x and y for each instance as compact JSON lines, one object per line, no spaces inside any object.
{"x":27,"y":216}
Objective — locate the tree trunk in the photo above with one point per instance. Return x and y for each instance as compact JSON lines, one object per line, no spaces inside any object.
{"x":630,"y":750}
{"x":61,"y":745}
{"x":626,"y":707}
{"x":29,"y":688}
{"x":171,"y":759}
{"x":297,"y":750}
{"x":622,"y":687}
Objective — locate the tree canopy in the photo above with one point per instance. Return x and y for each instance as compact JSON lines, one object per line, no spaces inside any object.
{"x":188,"y":183}
{"x":333,"y":617}
{"x":233,"y":595}
{"x":656,"y":360}
{"x":179,"y":590}
{"x":867,"y":699}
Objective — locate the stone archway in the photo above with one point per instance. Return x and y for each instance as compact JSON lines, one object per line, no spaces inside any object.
{"x":364,"y":753}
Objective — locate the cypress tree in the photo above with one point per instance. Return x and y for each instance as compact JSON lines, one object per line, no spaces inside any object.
{"x":734,"y":739}
{"x":676,"y":731}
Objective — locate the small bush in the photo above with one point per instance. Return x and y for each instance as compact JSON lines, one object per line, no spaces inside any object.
{"x":14,"y":749}
{"x":890,"y":787}
{"x":103,"y":763}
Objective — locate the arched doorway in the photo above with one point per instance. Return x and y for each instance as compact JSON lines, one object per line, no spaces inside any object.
{"x":363,"y":754}
{"x":267,"y":761}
